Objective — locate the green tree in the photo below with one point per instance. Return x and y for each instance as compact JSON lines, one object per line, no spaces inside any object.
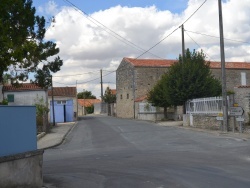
{"x":158,"y":95}
{"x":22,"y":48}
{"x":109,"y":97}
{"x":191,"y":79}
{"x":85,"y":95}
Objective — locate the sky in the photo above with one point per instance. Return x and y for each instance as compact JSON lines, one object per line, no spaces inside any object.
{"x":98,"y":34}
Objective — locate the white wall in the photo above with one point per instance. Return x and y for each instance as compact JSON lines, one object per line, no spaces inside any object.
{"x":26,"y":97}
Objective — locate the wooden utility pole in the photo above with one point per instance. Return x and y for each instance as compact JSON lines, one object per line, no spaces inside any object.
{"x":101,"y":86}
{"x":183,"y":43}
{"x":53,"y":106}
{"x":223,"y":71}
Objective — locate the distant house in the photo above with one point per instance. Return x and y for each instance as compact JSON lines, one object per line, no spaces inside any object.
{"x":24,"y":94}
{"x":136,"y":77}
{"x":65,"y":104}
{"x":84,"y":103}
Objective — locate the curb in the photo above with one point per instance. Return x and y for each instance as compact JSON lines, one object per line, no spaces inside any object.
{"x":59,"y":143}
{"x":39,"y":136}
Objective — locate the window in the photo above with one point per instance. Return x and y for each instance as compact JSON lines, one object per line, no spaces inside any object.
{"x":10,"y":97}
{"x":127,"y":96}
{"x":121,"y":96}
{"x":61,"y":102}
{"x":243,"y":79}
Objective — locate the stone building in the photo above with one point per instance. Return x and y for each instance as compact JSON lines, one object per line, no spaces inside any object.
{"x":135,"y":77}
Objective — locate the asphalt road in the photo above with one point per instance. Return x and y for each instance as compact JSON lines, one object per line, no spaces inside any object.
{"x":106,"y":152}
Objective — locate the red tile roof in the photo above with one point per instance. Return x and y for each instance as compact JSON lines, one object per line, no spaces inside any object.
{"x":243,"y":87}
{"x":113,"y":91}
{"x":168,"y":63}
{"x":140,"y":99}
{"x":63,"y":91}
{"x":22,"y":87}
{"x":88,"y":102}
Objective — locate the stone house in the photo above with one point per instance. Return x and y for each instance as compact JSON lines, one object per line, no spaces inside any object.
{"x":135,"y":77}
{"x":24,"y":94}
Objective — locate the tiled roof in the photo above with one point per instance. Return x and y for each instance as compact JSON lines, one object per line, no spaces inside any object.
{"x":150,"y":62}
{"x":243,"y":87}
{"x":168,"y":63}
{"x":140,"y":99}
{"x":113,"y":91}
{"x":63,"y":91}
{"x":88,"y":102}
{"x":22,"y":87}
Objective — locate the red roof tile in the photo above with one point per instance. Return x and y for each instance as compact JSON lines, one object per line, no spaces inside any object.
{"x":88,"y":102}
{"x":113,"y":91}
{"x":140,"y":99}
{"x":63,"y":91}
{"x":22,"y":87}
{"x":168,"y":63}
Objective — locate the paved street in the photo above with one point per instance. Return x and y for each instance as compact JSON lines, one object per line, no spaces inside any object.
{"x":106,"y":152}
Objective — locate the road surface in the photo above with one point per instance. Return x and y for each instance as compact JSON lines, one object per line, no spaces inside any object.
{"x":106,"y":152}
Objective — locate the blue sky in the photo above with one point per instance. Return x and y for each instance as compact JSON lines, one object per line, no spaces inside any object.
{"x":87,"y":45}
{"x":175,"y":6}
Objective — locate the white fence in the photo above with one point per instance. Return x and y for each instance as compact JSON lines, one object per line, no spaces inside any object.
{"x":212,"y":105}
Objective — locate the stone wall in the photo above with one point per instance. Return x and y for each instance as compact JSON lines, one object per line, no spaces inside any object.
{"x":22,"y":170}
{"x":233,"y":77}
{"x":242,"y":97}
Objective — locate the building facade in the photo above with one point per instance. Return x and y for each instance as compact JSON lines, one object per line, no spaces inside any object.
{"x":136,"y":77}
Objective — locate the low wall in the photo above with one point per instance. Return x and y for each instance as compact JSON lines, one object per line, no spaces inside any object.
{"x":151,"y":116}
{"x":204,"y":121}
{"x":22,"y":170}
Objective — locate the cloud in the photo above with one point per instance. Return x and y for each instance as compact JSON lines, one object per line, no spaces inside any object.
{"x":88,"y":44}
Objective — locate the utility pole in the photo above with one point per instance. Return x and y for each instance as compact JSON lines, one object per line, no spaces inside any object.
{"x":223,"y":71}
{"x":183,"y":42}
{"x":53,"y":106}
{"x":101,"y":86}
{"x":76,"y":103}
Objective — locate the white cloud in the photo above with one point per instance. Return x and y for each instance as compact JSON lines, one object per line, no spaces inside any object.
{"x":87,"y":47}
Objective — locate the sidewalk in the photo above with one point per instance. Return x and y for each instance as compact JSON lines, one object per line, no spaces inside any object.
{"x":179,"y":124}
{"x":56,"y":135}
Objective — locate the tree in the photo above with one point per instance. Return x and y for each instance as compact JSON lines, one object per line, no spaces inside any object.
{"x":158,"y":96}
{"x":22,"y":48}
{"x":191,"y":79}
{"x":85,"y":95}
{"x":109,"y":97}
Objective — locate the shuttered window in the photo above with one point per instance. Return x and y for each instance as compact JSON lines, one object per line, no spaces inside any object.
{"x":10,"y":97}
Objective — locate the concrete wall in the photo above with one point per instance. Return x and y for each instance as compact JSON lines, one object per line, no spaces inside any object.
{"x":17,"y":129}
{"x":151,"y":116}
{"x":26,"y":97}
{"x":22,"y":170}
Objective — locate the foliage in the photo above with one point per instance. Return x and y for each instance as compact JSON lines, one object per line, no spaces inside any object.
{"x":191,"y":79}
{"x":90,"y":109}
{"x":41,"y":107}
{"x":23,"y":50}
{"x":109,"y":97}
{"x":4,"y":102}
{"x":85,"y":95}
{"x":158,"y":96}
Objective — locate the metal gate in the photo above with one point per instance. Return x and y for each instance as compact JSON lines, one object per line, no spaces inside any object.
{"x":64,"y":111}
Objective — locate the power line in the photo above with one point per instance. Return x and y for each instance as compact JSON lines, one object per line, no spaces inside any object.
{"x":108,"y":30}
{"x":233,"y":40}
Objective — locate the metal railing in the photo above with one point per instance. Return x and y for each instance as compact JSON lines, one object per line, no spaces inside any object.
{"x":211,"y":105}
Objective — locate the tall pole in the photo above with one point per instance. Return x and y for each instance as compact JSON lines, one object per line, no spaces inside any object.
{"x":101,"y":86}
{"x":53,"y":106}
{"x":76,"y":103}
{"x":223,"y":71}
{"x":183,"y":42}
